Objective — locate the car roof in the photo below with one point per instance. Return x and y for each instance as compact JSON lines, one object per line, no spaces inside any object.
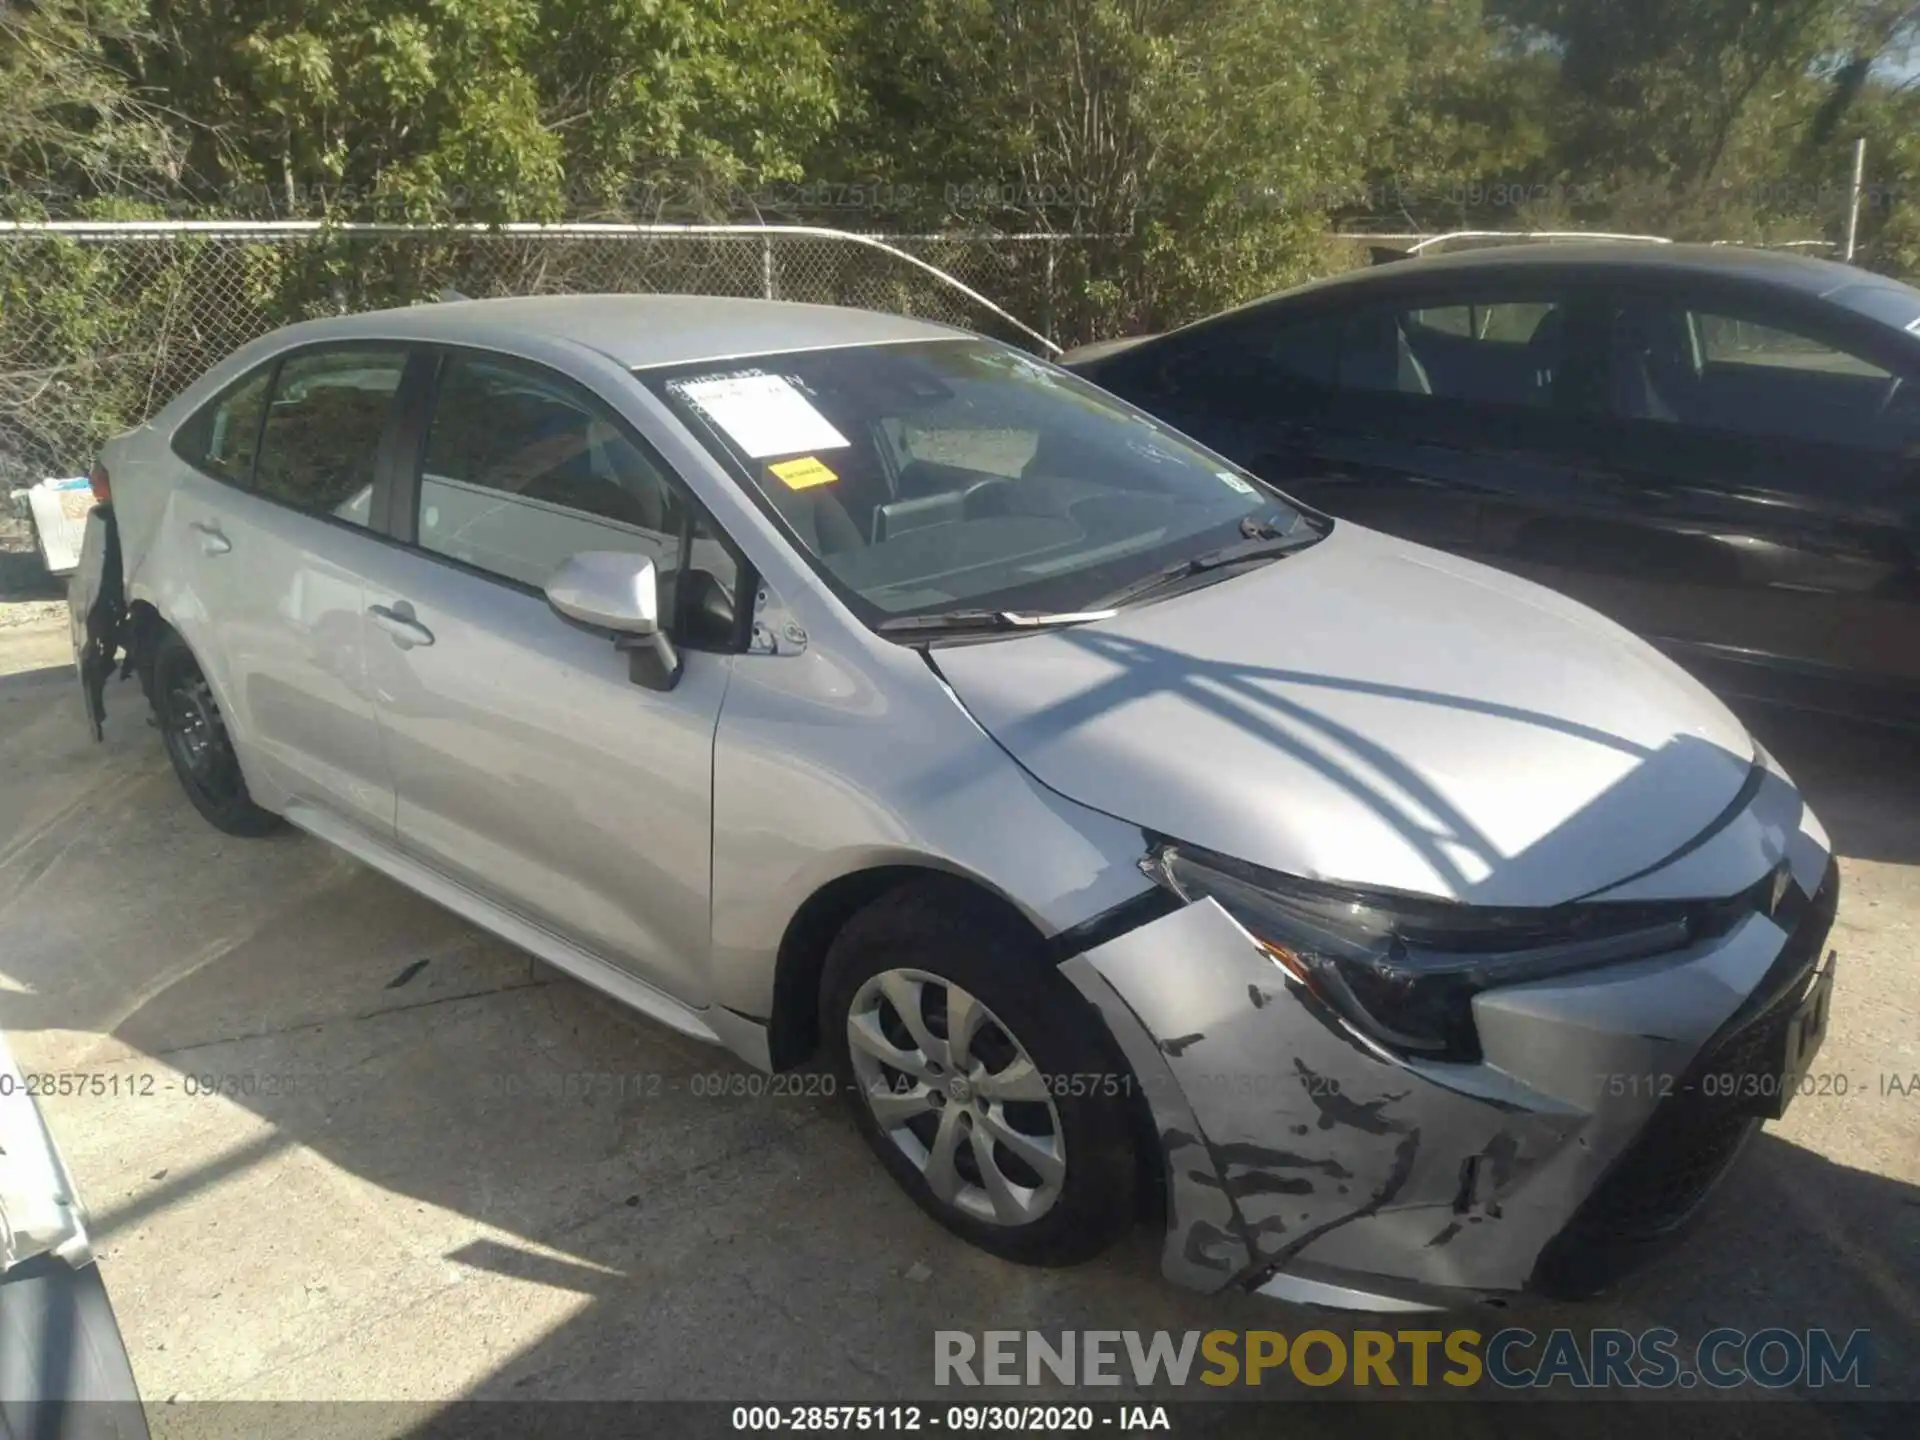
{"x":1802,"y":273}
{"x":637,"y":331}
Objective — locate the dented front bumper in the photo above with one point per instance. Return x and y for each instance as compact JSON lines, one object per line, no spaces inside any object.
{"x":1305,"y":1162}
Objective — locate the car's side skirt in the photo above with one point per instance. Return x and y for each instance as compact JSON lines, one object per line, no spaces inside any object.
{"x":509,"y":926}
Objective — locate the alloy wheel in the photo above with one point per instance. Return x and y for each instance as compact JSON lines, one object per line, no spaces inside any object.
{"x":953,"y":1088}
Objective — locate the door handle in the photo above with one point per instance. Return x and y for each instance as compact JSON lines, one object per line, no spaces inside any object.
{"x":398,"y":622}
{"x":212,"y":542}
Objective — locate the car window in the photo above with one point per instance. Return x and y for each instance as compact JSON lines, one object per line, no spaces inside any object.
{"x":1725,"y":340}
{"x":926,"y":476}
{"x":221,"y":438}
{"x":1511,"y":322}
{"x":1757,"y":376}
{"x":522,"y":471}
{"x":322,"y":436}
{"x":1244,"y":365}
{"x":1491,"y":351}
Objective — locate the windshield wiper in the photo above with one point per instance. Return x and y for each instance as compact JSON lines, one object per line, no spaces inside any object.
{"x":1265,"y":543}
{"x":951,"y":622}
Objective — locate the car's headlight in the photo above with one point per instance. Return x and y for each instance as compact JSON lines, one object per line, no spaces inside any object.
{"x":1403,"y":969}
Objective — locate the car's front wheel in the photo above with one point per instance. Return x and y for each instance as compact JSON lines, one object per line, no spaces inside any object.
{"x":198,"y":744}
{"x":979,"y":1076}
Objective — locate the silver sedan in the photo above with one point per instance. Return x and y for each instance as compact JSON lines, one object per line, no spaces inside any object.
{"x":1134,"y":840}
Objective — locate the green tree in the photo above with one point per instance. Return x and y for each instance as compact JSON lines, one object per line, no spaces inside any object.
{"x":487,"y":109}
{"x":71,"y":125}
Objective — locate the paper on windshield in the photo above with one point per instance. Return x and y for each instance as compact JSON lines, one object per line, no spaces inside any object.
{"x":804,"y":473}
{"x":762,"y":414}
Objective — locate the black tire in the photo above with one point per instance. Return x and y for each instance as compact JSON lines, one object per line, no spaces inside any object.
{"x":947,"y":931}
{"x":198,"y":745}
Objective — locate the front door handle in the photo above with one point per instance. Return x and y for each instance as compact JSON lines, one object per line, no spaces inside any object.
{"x":397,"y":620}
{"x":212,"y":542}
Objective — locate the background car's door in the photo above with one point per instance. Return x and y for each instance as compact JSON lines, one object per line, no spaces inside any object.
{"x":1758,"y":497}
{"x":1429,"y":415}
{"x":270,"y":524}
{"x":529,"y":766}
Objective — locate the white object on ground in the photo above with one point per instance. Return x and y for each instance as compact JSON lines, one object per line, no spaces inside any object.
{"x":60,"y":509}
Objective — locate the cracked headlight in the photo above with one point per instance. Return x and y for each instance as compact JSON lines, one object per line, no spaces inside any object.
{"x":1404,"y":969}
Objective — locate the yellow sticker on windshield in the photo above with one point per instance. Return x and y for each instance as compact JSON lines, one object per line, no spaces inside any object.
{"x":803,"y":474}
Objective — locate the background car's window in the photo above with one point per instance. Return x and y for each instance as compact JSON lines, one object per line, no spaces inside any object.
{"x":323,"y":429}
{"x":521,"y":472}
{"x":1727,"y":341}
{"x":1511,"y":322}
{"x":221,"y":439}
{"x":1492,"y":352}
{"x":1743,"y":375}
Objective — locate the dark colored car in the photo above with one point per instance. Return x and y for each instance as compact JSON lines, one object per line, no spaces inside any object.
{"x":1718,"y":447}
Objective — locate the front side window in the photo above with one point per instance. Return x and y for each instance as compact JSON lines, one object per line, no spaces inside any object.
{"x":1751,"y":374}
{"x":221,"y":438}
{"x":322,"y":436}
{"x":522,"y":471}
{"x":928,"y":476}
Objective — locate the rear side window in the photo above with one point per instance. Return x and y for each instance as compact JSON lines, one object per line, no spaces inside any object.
{"x":1490,"y":351}
{"x":220,"y":439}
{"x":323,"y":429}
{"x":1512,"y":323}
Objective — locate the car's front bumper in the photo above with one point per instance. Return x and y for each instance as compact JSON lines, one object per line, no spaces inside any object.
{"x":1305,"y":1162}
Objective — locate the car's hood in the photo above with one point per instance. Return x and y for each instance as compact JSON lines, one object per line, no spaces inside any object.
{"x":1376,"y":713}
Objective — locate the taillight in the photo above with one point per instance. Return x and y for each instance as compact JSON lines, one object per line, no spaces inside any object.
{"x":102,"y":490}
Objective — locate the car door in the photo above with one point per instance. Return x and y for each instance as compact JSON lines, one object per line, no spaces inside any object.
{"x":529,"y":766}
{"x":1756,"y":506}
{"x":1426,"y":412}
{"x":267,"y":536}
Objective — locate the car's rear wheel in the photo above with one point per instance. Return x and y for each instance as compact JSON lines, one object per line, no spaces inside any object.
{"x":979,"y":1077}
{"x":198,"y":744}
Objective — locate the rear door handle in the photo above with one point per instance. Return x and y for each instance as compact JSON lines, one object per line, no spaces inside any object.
{"x":212,"y":542}
{"x":397,"y":620}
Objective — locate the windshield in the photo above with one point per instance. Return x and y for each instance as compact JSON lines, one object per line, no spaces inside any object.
{"x":923,"y":477}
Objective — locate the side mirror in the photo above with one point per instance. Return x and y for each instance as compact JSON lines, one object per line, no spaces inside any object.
{"x":613,"y":590}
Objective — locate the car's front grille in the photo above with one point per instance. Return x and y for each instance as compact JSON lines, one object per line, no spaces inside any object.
{"x":1694,"y":1135}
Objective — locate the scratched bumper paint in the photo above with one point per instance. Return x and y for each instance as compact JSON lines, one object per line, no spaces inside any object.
{"x":1291,"y":1142}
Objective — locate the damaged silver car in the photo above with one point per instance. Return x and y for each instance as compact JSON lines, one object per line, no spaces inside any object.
{"x":1132,"y":838}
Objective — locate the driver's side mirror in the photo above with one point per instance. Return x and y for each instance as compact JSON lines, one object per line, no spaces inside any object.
{"x":617,"y":591}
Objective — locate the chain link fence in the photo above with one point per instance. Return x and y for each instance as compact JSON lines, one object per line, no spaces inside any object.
{"x":100,"y":325}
